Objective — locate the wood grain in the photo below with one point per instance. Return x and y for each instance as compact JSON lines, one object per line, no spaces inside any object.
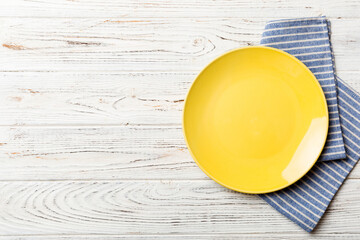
{"x":85,"y":44}
{"x":120,"y":99}
{"x":104,"y":152}
{"x":214,"y":236}
{"x":154,"y":207}
{"x":185,"y":8}
{"x":91,"y":94}
{"x":95,"y":99}
{"x":95,"y":153}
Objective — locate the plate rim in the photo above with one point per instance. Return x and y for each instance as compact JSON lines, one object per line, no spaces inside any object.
{"x":323,"y":98}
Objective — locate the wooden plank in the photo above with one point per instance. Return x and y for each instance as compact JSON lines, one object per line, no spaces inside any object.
{"x":155,"y":207}
{"x":220,"y":236}
{"x":43,"y":98}
{"x":95,"y":153}
{"x":47,"y":153}
{"x":121,"y":99}
{"x":185,"y":8}
{"x":85,"y":44}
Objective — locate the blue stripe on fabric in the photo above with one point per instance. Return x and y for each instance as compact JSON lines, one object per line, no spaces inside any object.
{"x":302,"y":193}
{"x":324,"y":180}
{"x":274,"y":25}
{"x":334,"y":155}
{"x":275,"y":203}
{"x":334,"y":121}
{"x":329,"y":93}
{"x":325,"y":186}
{"x":326,"y":82}
{"x":333,"y":170}
{"x":295,"y":38}
{"x":328,"y":178}
{"x":321,"y":69}
{"x":312,"y":56}
{"x":325,"y":75}
{"x":331,"y":101}
{"x":308,"y":39}
{"x":306,"y":201}
{"x":292,"y":31}
{"x":318,"y":63}
{"x":337,"y":141}
{"x":346,"y":92}
{"x":285,"y":46}
{"x":300,"y":206}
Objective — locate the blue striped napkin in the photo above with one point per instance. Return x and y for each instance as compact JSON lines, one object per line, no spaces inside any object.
{"x":309,"y":40}
{"x":306,"y":201}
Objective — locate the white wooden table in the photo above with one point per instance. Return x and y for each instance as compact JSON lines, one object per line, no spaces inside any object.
{"x":91,"y":94}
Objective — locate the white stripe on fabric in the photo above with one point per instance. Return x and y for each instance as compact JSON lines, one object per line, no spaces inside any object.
{"x":334,"y":170}
{"x":334,"y":132}
{"x":349,"y":87}
{"x":326,"y":85}
{"x":288,"y":212}
{"x":348,"y":164}
{"x":302,"y":204}
{"x":343,"y":126}
{"x":307,"y":194}
{"x":348,"y":103}
{"x":352,"y":159}
{"x":352,"y":143}
{"x":350,"y":123}
{"x":296,"y":41}
{"x":332,"y":98}
{"x":335,"y":146}
{"x":326,"y":177}
{"x":292,"y":34}
{"x":306,"y":54}
{"x":296,"y":20}
{"x":317,"y":59}
{"x":331,"y":153}
{"x":327,"y":174}
{"x":335,"y":139}
{"x":292,"y":27}
{"x":322,"y":187}
{"x":295,"y":209}
{"x":332,"y":105}
{"x":323,"y":73}
{"x":331,"y":91}
{"x":292,"y":48}
{"x":312,"y":204}
{"x":339,"y":166}
{"x":320,"y":66}
{"x":328,"y":183}
{"x":356,"y":93}
{"x":319,"y":193}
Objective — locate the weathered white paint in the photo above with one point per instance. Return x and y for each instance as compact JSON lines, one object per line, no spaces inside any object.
{"x":97,"y":152}
{"x":186,"y":8}
{"x":91,"y":94}
{"x":94,"y":99}
{"x":182,"y":207}
{"x":143,"y":44}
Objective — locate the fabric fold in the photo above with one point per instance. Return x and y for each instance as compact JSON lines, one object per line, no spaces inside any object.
{"x":308,"y":39}
{"x":306,"y":201}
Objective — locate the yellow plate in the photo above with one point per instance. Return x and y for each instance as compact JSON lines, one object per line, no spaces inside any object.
{"x":255,"y":120}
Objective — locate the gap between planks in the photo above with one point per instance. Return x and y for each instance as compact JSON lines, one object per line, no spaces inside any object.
{"x":137,"y":180}
{"x":144,"y":126}
{"x":95,"y":235}
{"x":168,"y":17}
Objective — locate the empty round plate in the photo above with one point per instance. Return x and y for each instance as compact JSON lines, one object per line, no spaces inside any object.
{"x":255,"y":120}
